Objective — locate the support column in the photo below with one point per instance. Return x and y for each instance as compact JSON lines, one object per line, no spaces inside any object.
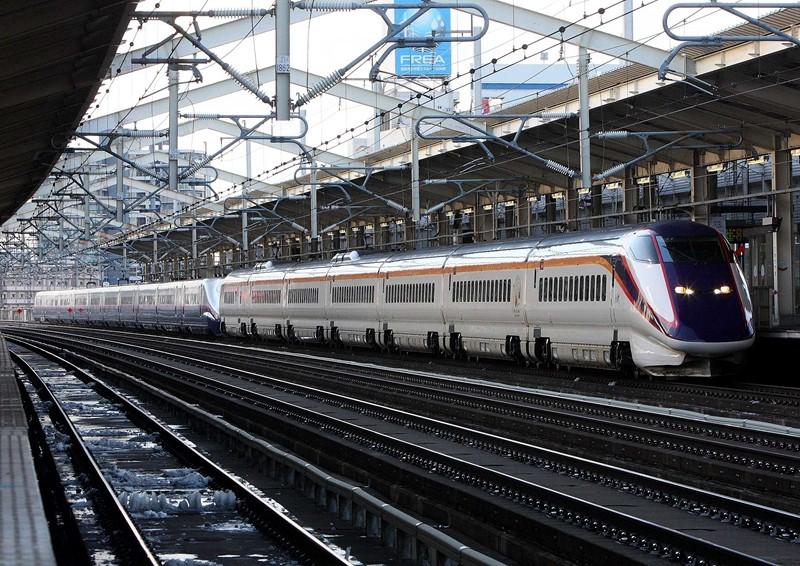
{"x":120,"y":212}
{"x":87,"y":219}
{"x":377,"y":87}
{"x":415,"y":212}
{"x":245,"y":251}
{"x":571,"y":207}
{"x":477,"y":83}
{"x":194,"y":249}
{"x":315,"y":247}
{"x":700,"y":188}
{"x":630,"y":197}
{"x":125,"y":262}
{"x":782,"y":239}
{"x":628,"y":8}
{"x":550,"y":212}
{"x":597,"y":206}
{"x":282,"y":65}
{"x":154,"y":271}
{"x":172,"y":76}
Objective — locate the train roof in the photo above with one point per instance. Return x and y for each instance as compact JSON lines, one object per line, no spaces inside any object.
{"x":671,"y":228}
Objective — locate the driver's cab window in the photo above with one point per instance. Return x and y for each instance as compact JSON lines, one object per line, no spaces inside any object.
{"x":642,"y":249}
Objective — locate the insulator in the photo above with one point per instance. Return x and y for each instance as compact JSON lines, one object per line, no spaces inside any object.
{"x":611,"y":170}
{"x":613,"y":134}
{"x":201,"y":116}
{"x":237,"y":13}
{"x":325,"y":84}
{"x":245,"y":82}
{"x":142,"y":133}
{"x":558,"y":167}
{"x":330,"y":5}
{"x":555,"y":115}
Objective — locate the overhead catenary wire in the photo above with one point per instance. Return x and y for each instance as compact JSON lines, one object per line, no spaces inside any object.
{"x":326,"y":143}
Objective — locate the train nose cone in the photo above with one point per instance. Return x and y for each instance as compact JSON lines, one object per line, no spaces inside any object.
{"x":703,"y":314}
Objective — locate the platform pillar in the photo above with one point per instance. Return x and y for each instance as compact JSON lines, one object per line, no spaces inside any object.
{"x":630,"y":197}
{"x":782,"y":239}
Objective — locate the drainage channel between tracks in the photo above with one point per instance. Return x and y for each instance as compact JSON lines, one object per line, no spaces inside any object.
{"x":520,"y":465}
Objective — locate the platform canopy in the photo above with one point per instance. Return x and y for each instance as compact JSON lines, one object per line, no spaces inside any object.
{"x":53,"y":56}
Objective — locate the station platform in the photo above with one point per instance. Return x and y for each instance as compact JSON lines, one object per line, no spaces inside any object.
{"x":24,"y":532}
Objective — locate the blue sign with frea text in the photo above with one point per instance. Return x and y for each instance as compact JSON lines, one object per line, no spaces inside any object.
{"x":433,"y":61}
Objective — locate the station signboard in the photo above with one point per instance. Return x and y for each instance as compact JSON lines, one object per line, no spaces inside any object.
{"x":434,"y":61}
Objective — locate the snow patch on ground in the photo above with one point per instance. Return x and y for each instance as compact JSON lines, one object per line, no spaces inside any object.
{"x":152,"y":504}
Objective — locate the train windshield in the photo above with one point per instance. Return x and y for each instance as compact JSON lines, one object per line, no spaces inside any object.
{"x":692,"y":250}
{"x":642,"y":249}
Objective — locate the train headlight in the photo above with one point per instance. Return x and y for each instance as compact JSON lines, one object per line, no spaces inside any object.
{"x":681,"y":290}
{"x":724,"y":290}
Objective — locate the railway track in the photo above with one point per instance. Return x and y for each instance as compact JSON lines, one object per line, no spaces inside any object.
{"x":154,"y":507}
{"x":516,"y":486}
{"x":763,"y":462}
{"x":743,"y":400}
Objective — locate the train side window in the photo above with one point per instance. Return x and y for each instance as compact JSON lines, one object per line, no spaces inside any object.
{"x":598,"y":287}
{"x":541,"y":286}
{"x":580,"y":288}
{"x":604,"y":285}
{"x":572,"y":288}
{"x":591,"y":288}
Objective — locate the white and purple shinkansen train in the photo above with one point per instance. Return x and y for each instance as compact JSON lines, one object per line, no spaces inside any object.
{"x":667,"y":298}
{"x":181,"y":306}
